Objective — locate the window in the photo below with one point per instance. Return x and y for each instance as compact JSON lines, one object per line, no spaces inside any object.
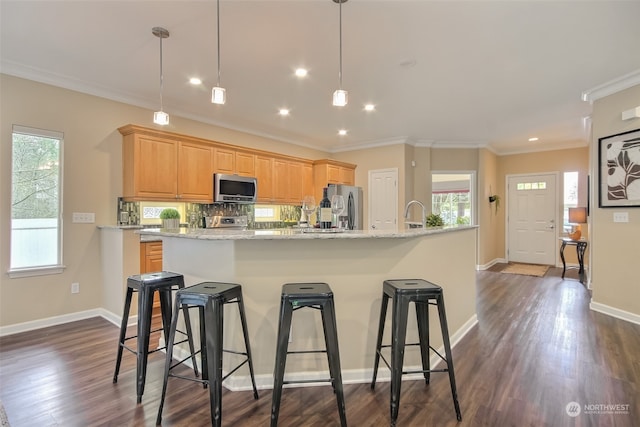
{"x":570,"y":198}
{"x":451,"y":197}
{"x":36,"y":196}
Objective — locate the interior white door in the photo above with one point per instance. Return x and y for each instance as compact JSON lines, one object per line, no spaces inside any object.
{"x":531,"y":220}
{"x":383,"y":199}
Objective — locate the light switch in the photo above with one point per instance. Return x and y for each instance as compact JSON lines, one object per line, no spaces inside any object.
{"x":620,"y":217}
{"x":83,"y":217}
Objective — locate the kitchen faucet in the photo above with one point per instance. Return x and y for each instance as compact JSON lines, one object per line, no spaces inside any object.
{"x":424,"y":214}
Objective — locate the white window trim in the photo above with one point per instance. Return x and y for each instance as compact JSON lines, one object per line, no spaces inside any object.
{"x":55,"y":268}
{"x":17,"y":273}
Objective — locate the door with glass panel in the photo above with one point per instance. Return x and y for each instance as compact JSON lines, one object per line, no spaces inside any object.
{"x":531,"y":218}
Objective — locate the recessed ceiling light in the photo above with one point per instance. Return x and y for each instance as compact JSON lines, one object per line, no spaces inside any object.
{"x":283,"y":112}
{"x":369,"y":107}
{"x":195,"y":81}
{"x":342,"y":132}
{"x":535,"y":138}
{"x":301,"y":72}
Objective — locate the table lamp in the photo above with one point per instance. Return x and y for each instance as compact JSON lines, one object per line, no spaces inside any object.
{"x":577,"y":216}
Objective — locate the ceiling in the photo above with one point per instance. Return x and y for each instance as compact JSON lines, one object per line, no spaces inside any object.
{"x":441,"y":73}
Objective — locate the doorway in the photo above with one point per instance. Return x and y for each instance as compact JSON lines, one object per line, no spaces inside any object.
{"x":532,"y":218}
{"x":383,"y":199}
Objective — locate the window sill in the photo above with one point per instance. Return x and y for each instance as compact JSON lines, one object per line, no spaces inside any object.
{"x":16,"y":273}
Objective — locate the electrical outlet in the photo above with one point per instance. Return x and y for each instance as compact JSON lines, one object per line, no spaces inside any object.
{"x":75,"y":288}
{"x":620,"y":217}
{"x":83,"y":217}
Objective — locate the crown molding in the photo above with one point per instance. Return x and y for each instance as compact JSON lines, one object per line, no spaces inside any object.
{"x":612,"y":86}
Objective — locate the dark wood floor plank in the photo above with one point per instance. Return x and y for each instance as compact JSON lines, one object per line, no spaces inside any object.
{"x":537,"y":347}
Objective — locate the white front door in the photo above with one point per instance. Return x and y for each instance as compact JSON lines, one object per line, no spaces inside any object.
{"x":383,"y":199}
{"x":531,"y":221}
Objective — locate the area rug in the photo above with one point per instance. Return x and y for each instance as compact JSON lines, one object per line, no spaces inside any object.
{"x":526,"y":269}
{"x":4,"y":421}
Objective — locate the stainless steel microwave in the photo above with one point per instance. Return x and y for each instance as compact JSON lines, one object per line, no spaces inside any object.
{"x":234,"y":188}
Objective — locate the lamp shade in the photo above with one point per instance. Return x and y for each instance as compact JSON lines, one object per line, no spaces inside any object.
{"x":578,"y":215}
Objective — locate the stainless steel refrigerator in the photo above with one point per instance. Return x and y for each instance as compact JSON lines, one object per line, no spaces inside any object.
{"x":353,"y":201}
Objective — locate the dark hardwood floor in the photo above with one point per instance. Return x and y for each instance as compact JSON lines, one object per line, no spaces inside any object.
{"x":537,"y":347}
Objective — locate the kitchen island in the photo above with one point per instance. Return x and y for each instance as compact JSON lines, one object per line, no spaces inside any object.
{"x":353,"y":263}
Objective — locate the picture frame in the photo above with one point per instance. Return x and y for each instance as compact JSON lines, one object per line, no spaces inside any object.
{"x":619,"y":170}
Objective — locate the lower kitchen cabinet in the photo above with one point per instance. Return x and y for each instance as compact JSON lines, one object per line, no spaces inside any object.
{"x":151,"y":261}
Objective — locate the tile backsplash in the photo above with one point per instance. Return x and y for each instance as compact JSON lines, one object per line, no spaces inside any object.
{"x":128,"y":213}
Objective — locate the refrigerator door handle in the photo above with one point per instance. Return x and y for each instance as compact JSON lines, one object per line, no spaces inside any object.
{"x":351,"y":213}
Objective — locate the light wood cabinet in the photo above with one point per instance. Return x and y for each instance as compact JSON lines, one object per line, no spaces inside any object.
{"x":245,"y":164}
{"x":295,"y":183}
{"x":150,"y":166}
{"x":230,"y":161}
{"x":156,"y":168}
{"x":225,"y":161}
{"x":264,"y":175}
{"x":280,"y":180}
{"x":165,"y":166}
{"x":195,"y":164}
{"x":151,"y":261}
{"x":329,"y":171}
{"x":307,"y":179}
{"x":291,"y":179}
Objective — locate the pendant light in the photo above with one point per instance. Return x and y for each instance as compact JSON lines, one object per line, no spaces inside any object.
{"x":340,"y":96}
{"x":218,"y":94}
{"x":160,"y":117}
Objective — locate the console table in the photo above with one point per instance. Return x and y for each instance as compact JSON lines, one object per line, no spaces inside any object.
{"x":581,"y":247}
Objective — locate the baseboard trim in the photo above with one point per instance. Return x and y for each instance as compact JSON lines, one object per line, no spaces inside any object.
{"x":615,"y":312}
{"x":49,"y":321}
{"x":67,"y":318}
{"x":263,"y":381}
{"x":490,"y":264}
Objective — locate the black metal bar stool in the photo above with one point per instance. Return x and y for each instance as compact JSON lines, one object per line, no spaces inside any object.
{"x":317,"y":296}
{"x":163,"y":282}
{"x":422,"y":293}
{"x":210,"y":298}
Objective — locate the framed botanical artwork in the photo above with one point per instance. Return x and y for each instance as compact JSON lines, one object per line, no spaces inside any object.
{"x":619,"y":170}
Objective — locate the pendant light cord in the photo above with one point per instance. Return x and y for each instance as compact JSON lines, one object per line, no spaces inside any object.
{"x":218,"y":26}
{"x":161,"y":74}
{"x":340,"y":72}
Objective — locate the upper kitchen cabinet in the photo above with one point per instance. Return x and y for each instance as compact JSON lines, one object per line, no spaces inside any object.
{"x":230,"y":161}
{"x":225,"y":161}
{"x":195,"y":172}
{"x":245,"y":164}
{"x":329,"y":171}
{"x":165,"y":166}
{"x":156,"y":167}
{"x":291,"y":178}
{"x":264,"y":175}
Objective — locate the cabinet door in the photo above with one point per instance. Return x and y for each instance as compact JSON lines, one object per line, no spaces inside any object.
{"x":225,"y":160}
{"x":333,"y":174}
{"x":347,"y":176}
{"x":280,"y":180}
{"x":264,"y":175}
{"x":307,"y":180}
{"x":155,"y":168}
{"x":245,"y":164}
{"x":195,"y":172}
{"x":295,"y":183}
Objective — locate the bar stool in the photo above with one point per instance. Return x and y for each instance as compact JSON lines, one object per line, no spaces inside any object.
{"x":294,"y":297}
{"x":163,"y":282}
{"x":210,"y":298}
{"x":422,"y":293}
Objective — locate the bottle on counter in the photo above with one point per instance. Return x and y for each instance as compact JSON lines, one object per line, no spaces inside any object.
{"x":324,"y":218}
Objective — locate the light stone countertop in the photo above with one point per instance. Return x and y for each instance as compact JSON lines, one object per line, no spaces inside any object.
{"x":296,"y":234}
